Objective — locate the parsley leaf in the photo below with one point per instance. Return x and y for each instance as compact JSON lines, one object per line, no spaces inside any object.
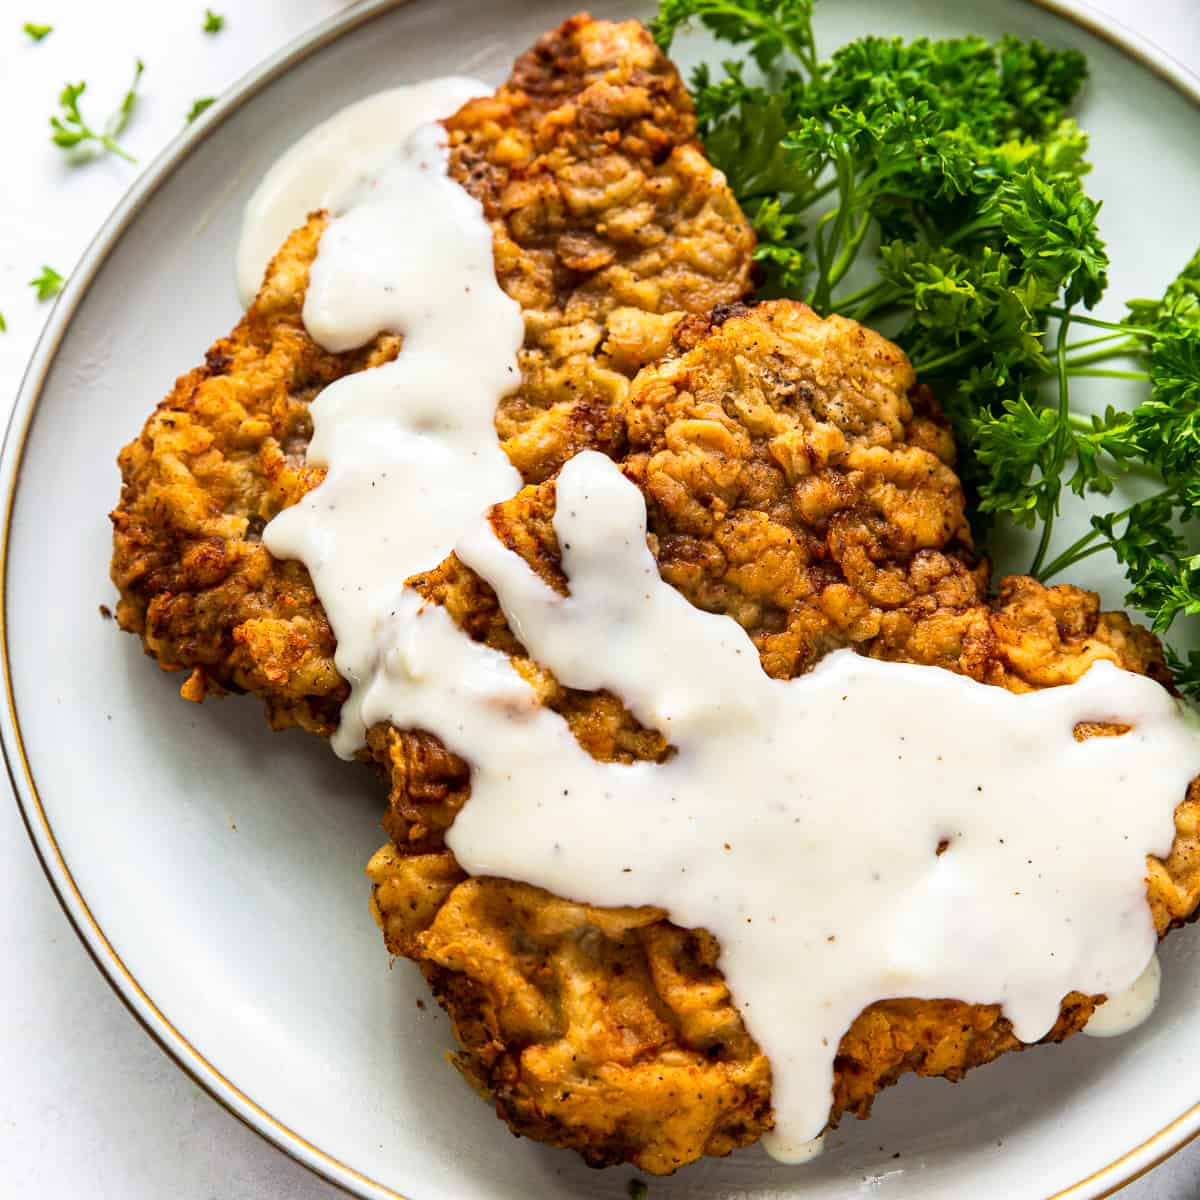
{"x":1179,"y":306}
{"x":200,"y":106}
{"x":1186,"y":672}
{"x":3,"y":324}
{"x":72,"y":132}
{"x":37,"y":32}
{"x":1160,"y":438}
{"x":770,"y":28}
{"x":213,"y":22}
{"x":1051,"y":223}
{"x":48,"y":284}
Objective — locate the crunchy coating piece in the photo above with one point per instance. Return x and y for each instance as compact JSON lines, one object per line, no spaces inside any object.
{"x":612,"y":1031}
{"x":799,"y":480}
{"x":219,"y":457}
{"x":609,"y":225}
{"x":609,"y":222}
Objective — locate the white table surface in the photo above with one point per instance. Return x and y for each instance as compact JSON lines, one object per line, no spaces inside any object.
{"x":89,"y":1107}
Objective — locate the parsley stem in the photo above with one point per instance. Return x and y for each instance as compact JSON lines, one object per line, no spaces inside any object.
{"x":1139,"y":330}
{"x":813,"y":299}
{"x":849,"y":253}
{"x":981,"y":223}
{"x":1100,"y":372}
{"x":1121,"y":348}
{"x":944,"y":360}
{"x":797,"y":204}
{"x":1084,"y":548}
{"x":819,"y":193}
{"x":864,"y":293}
{"x":868,"y":302}
{"x":1062,"y":437}
{"x":1035,"y":568}
{"x":1095,"y":341}
{"x":828,"y":273}
{"x":887,"y":303}
{"x":116,"y":148}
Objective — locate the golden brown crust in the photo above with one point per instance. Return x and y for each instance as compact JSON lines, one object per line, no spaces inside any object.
{"x":511,"y":963}
{"x":610,"y":1032}
{"x":608,"y":226}
{"x":797,"y":479}
{"x":218,"y":458}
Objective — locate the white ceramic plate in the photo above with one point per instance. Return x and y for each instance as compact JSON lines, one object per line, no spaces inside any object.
{"x":214,"y":870}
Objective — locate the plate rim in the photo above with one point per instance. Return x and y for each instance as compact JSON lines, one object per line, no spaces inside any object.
{"x":1104,"y":1182}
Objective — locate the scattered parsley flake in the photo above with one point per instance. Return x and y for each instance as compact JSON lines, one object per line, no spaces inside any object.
{"x":213,"y":22}
{"x":72,"y":132}
{"x":48,"y":284}
{"x":638,"y":1190}
{"x":37,"y":32}
{"x":200,"y":106}
{"x":3,"y":324}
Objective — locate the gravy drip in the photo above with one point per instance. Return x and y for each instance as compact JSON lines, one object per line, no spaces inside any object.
{"x":328,"y":163}
{"x":410,"y":447}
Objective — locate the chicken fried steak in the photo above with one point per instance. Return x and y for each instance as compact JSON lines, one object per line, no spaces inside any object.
{"x":609,"y":226}
{"x":799,"y":480}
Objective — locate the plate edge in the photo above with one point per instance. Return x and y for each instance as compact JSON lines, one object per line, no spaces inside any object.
{"x":103,"y":954}
{"x":1137,"y":1161}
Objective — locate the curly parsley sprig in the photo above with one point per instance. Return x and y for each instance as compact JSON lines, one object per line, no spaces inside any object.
{"x":71,"y":132}
{"x":937,"y":187}
{"x":1160,"y":439}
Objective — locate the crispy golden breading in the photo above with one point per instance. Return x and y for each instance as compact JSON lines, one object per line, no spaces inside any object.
{"x":797,"y":479}
{"x":609,"y":225}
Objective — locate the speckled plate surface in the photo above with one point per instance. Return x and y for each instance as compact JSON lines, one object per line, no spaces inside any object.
{"x":214,"y":870}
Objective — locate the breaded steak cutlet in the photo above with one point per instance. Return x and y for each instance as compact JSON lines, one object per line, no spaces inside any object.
{"x":609,"y":226}
{"x":799,"y":480}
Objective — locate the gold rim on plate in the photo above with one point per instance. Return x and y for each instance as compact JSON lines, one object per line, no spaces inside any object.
{"x":1131,"y":1165}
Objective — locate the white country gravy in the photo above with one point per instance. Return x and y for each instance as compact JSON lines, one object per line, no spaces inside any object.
{"x":800,"y":821}
{"x":1128,"y":1009}
{"x":869,"y":830}
{"x":324,"y":166}
{"x":410,"y":447}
